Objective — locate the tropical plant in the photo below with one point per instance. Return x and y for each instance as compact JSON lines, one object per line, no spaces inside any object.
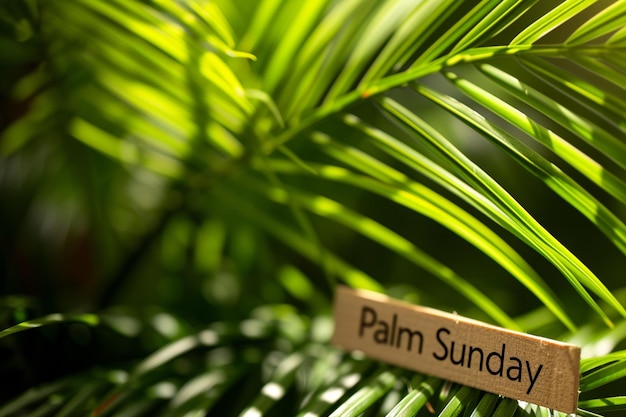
{"x":185,"y":182}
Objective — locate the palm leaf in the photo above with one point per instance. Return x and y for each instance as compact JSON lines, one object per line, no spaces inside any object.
{"x":276,"y":139}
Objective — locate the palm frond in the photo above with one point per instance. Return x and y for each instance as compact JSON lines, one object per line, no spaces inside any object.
{"x":276,"y":139}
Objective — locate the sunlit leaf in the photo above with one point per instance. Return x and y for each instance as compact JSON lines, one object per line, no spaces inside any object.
{"x":369,"y":393}
{"x":224,"y":160}
{"x":551,"y":21}
{"x":50,"y":320}
{"x":609,"y":19}
{"x":605,"y":404}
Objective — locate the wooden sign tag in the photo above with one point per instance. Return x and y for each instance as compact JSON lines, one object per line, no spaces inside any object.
{"x":512,"y":364}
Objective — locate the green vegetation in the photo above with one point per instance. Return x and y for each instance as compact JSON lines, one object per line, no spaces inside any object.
{"x":184,"y":182}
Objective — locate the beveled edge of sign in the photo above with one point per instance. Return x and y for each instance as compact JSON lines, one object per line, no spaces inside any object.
{"x":572,"y":350}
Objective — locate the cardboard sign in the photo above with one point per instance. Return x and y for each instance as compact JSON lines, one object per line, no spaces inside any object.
{"x":512,"y":364}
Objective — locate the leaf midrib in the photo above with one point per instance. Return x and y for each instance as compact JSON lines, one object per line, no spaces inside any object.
{"x":473,"y":55}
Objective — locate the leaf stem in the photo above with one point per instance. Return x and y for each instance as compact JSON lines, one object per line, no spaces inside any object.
{"x":382,"y":85}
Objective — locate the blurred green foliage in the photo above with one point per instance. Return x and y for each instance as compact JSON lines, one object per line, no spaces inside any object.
{"x":183,"y":183}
